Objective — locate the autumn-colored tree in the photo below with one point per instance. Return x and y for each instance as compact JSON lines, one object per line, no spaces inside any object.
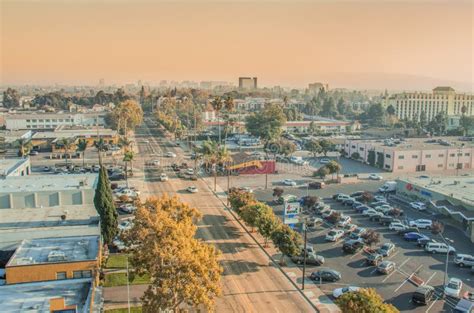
{"x":24,"y":147}
{"x":365,"y":300}
{"x":287,"y":241}
{"x":126,"y":116}
{"x":239,"y":198}
{"x":371,"y":237}
{"x":184,"y":272}
{"x":395,"y":212}
{"x":437,"y":228}
{"x":367,"y":197}
{"x":322,"y":172}
{"x":253,"y":212}
{"x":310,"y":201}
{"x":334,"y":217}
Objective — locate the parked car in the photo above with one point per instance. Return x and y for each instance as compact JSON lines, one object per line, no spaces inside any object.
{"x":423,"y":295}
{"x":326,"y":274}
{"x":356,"y":204}
{"x":340,"y":291}
{"x":464,"y":306}
{"x":361,"y":208}
{"x":422,"y":242}
{"x":402,"y":232}
{"x":190,"y":171}
{"x":439,"y":247}
{"x":357,"y":194}
{"x":170,"y":154}
{"x":386,"y":267}
{"x":342,"y":197}
{"x":464,"y":260}
{"x":345,"y":220}
{"x":374,"y":259}
{"x":419,"y":206}
{"x":387,"y":220}
{"x":311,"y":259}
{"x":289,"y":182}
{"x":334,"y":235}
{"x":128,"y":208}
{"x":316,"y":185}
{"x":386,"y":249}
{"x":163,"y":177}
{"x":46,"y":169}
{"x":380,"y":199}
{"x":327,"y":213}
{"x":125,"y":225}
{"x":314,"y":221}
{"x":421,"y":223}
{"x":352,"y":246}
{"x":453,"y":288}
{"x":117,"y":176}
{"x":34,"y":152}
{"x":349,"y":228}
{"x":324,"y":161}
{"x":192,"y":189}
{"x":369,"y":212}
{"x":413,"y":236}
{"x":359,"y":231}
{"x":375,"y":177}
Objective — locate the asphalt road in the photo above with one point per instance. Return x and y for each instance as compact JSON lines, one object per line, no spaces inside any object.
{"x":250,"y":283}
{"x":395,"y":288}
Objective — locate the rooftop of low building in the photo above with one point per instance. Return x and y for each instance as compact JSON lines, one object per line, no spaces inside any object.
{"x":56,"y":250}
{"x":9,"y":165}
{"x":433,"y":143}
{"x":48,"y":183}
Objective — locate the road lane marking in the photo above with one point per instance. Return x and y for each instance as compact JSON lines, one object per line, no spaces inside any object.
{"x":403,"y":283}
{"x":426,"y":283}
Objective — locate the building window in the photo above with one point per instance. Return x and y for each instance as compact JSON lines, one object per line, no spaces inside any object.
{"x":401,"y":157}
{"x":353,"y":147}
{"x":82,"y":274}
{"x":361,"y":149}
{"x":387,"y":166}
{"x":388,"y":156}
{"x":467,"y":154}
{"x":428,"y":156}
{"x":440,"y":155}
{"x":61,"y":275}
{"x":440,"y":165}
{"x":414,"y":156}
{"x":27,"y":121}
{"x":452,"y":155}
{"x":400,"y":167}
{"x":459,"y":154}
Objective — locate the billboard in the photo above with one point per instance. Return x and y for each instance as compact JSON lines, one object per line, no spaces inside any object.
{"x":292,"y":208}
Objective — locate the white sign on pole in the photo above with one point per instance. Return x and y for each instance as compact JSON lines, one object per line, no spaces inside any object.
{"x":292,"y":208}
{"x":290,"y":220}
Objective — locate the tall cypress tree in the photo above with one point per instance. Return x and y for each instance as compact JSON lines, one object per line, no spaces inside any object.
{"x":104,"y":204}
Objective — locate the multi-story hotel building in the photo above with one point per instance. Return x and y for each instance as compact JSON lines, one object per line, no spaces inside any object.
{"x":413,"y":155}
{"x":409,"y":105}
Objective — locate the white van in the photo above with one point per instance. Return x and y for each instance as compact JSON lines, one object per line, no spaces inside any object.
{"x":439,"y":247}
{"x":389,"y":186}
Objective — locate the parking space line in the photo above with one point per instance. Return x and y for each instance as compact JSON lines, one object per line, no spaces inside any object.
{"x":388,"y":276}
{"x":374,"y":270}
{"x":403,"y":283}
{"x":404,"y":262}
{"x":355,"y":254}
{"x":431,"y":305}
{"x":426,"y":283}
{"x":393,"y":255}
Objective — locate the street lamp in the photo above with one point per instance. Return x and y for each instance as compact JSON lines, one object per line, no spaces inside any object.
{"x":304,"y":220}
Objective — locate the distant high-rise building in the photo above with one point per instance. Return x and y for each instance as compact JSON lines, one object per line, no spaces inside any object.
{"x":317,"y":87}
{"x":248,"y":82}
{"x":101,"y":82}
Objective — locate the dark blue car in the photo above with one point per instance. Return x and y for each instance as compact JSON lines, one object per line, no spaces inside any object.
{"x":413,"y":236}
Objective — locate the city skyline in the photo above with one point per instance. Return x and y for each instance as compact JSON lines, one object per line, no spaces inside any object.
{"x":361,"y":45}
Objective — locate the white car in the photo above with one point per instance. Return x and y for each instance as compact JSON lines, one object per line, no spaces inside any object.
{"x":419,"y":206}
{"x":324,"y":161}
{"x":192,"y":189}
{"x":340,"y":291}
{"x":397,"y":226}
{"x":128,"y":208}
{"x":421,"y":223}
{"x":344,"y":221}
{"x":119,"y":244}
{"x":163,"y":177}
{"x":246,"y":189}
{"x":453,"y":288}
{"x":289,"y":182}
{"x":145,"y":141}
{"x":155,"y":162}
{"x":334,"y":235}
{"x":190,"y":171}
{"x":342,"y":197}
{"x":127,"y":192}
{"x":369,"y":212}
{"x":170,"y":154}
{"x":375,"y":177}
{"x":380,"y":198}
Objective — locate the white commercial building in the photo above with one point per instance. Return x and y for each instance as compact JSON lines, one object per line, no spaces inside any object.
{"x":15,"y":167}
{"x":35,"y":120}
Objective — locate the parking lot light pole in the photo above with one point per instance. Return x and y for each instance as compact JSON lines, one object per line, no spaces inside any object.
{"x":304,"y":255}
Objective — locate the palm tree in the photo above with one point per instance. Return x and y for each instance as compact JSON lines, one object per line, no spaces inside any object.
{"x":25,"y":147}
{"x":127,"y":158}
{"x":66,"y":144}
{"x":229,"y":107}
{"x":217,"y":106}
{"x":81,"y":147}
{"x":334,"y":167}
{"x":125,"y":143}
{"x":214,"y":155}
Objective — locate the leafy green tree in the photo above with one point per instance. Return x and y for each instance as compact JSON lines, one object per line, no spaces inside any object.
{"x":81,"y":147}
{"x":341,"y":106}
{"x":287,"y":241}
{"x":128,"y":158}
{"x":11,"y":98}
{"x":266,"y":225}
{"x":391,"y":110}
{"x":104,"y":204}
{"x":438,"y":124}
{"x":267,"y":123}
{"x":253,"y":212}
{"x":326,"y":146}
{"x":371,"y":157}
{"x":329,"y":108}
{"x":322,"y":172}
{"x":466,"y":123}
{"x":355,"y":155}
{"x":365,"y":300}
{"x":314,"y":147}
{"x":380,"y":159}
{"x":423,"y":119}
{"x":334,"y":168}
{"x":66,"y":144}
{"x":239,"y":198}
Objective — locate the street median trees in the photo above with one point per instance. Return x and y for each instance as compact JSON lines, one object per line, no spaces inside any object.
{"x":239,"y":198}
{"x":287,"y":241}
{"x":253,"y":212}
{"x":364,"y":301}
{"x":266,"y":225}
{"x":184,"y":272}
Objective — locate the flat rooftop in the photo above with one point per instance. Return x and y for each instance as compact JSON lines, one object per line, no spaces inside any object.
{"x":56,"y":250}
{"x":434,"y":143}
{"x":71,"y":133}
{"x":458,"y":187}
{"x":35,"y":297}
{"x":9,"y":165}
{"x":48,"y":182}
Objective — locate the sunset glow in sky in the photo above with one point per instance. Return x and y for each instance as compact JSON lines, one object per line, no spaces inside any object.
{"x":361,"y":44}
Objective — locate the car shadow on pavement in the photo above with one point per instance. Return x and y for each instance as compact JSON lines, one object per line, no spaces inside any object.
{"x":231,"y":247}
{"x":419,"y":253}
{"x":368,"y":272}
{"x":218,"y":233}
{"x":357,"y":264}
{"x":403,"y":301}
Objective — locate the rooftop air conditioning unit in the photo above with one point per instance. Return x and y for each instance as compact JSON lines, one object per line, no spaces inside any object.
{"x":56,"y":256}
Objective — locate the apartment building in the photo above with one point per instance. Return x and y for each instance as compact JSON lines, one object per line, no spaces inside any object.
{"x":41,"y":121}
{"x":15,"y":167}
{"x":247,"y":82}
{"x":413,"y":155}
{"x":410,"y":105}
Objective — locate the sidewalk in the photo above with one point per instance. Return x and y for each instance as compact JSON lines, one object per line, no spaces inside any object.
{"x":293,"y":272}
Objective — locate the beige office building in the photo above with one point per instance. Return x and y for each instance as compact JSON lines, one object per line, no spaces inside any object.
{"x":413,"y":155}
{"x":409,"y":105}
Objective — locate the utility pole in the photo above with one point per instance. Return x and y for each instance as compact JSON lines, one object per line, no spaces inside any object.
{"x":458,"y":165}
{"x":304,"y":255}
{"x":128,"y":288}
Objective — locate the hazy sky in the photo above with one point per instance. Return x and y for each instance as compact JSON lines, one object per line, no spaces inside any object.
{"x":364,"y":44}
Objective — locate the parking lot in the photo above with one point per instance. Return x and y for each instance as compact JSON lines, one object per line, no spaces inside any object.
{"x":396,"y":287}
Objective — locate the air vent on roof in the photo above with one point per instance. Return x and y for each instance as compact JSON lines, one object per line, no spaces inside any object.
{"x":24,"y":260}
{"x":56,"y":256}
